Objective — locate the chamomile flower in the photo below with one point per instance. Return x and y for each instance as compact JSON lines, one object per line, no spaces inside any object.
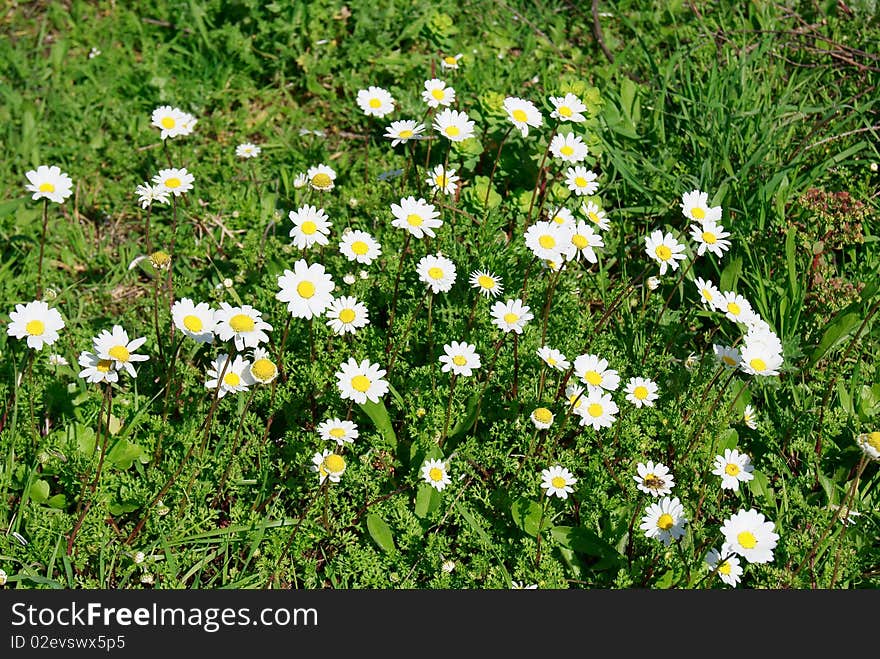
{"x":542,"y":418}
{"x":116,"y":345}
{"x":262,"y":369}
{"x":150,"y":194}
{"x":95,"y":369}
{"x":511,"y":315}
{"x":725,"y":564}
{"x":695,"y":206}
{"x":597,"y":410}
{"x":561,"y":216}
{"x":487,"y":283}
{"x":361,"y":382}
{"x":523,"y":114}
{"x":581,"y":181}
{"x":641,"y":392}
{"x":328,"y":465}
{"x":665,"y":250}
{"x":727,"y":355}
{"x":750,"y":535}
{"x":442,"y":179}
{"x":307,"y":289}
{"x":594,"y":372}
{"x":568,"y":148}
{"x":244,"y":325}
{"x":453,"y":125}
{"x":176,"y":181}
{"x":338,"y":430}
{"x":437,"y":93}
{"x":300,"y":180}
{"x":869,"y":442}
{"x":460,"y":358}
{"x":664,"y":520}
{"x":375,"y":101}
{"x":416,"y":216}
{"x":321,"y":177}
{"x":451,"y":61}
{"x":172,"y":122}
{"x":49,"y":183}
{"x":568,"y":108}
{"x":581,"y":242}
{"x":759,"y":358}
{"x":247,"y":150}
{"x":553,"y":358}
{"x":36,"y":321}
{"x":435,"y":474}
{"x":654,"y":479}
{"x":311,"y":226}
{"x":734,"y":468}
{"x":595,"y":215}
{"x":346,"y":315}
{"x":710,"y":296}
{"x":231,"y":376}
{"x":547,"y":240}
{"x":195,"y":320}
{"x":359,"y":246}
{"x":749,"y":417}
{"x":558,"y":481}
{"x":710,"y":237}
{"x":438,"y":272}
{"x":401,"y":132}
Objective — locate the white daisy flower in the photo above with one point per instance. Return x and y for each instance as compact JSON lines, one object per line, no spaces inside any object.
{"x":558,"y":481}
{"x":576,"y":395}
{"x":595,"y":215}
{"x":597,"y":410}
{"x":581,"y":242}
{"x":437,"y":93}
{"x":359,"y":246}
{"x":307,"y":289}
{"x":523,"y":114}
{"x":664,"y":520}
{"x":36,"y":321}
{"x":594,"y":372}
{"x":710,"y":236}
{"x":435,"y":474}
{"x":553,"y":358}
{"x":460,"y":358}
{"x":116,"y":345}
{"x":581,"y":181}
{"x":664,"y":249}
{"x":328,"y":465}
{"x":416,"y":216}
{"x":726,"y":355}
{"x":57,"y":360}
{"x":568,"y":108}
{"x":338,"y":430}
{"x":734,"y":468}
{"x":759,"y":358}
{"x":511,"y":315}
{"x":869,"y":442}
{"x":96,"y":370}
{"x":311,"y":226}
{"x":176,"y":181}
{"x":542,"y":418}
{"x":438,"y":272}
{"x":641,"y":392}
{"x":361,"y":382}
{"x":453,"y":125}
{"x":262,"y":368}
{"x":695,"y":206}
{"x":750,"y":535}
{"x":487,"y":283}
{"x":346,"y":315}
{"x":519,"y":585}
{"x":749,"y":417}
{"x":568,"y":147}
{"x":49,"y":183}
{"x":442,"y":179}
{"x":725,"y":564}
{"x":236,"y":375}
{"x":561,"y":216}
{"x":244,"y":325}
{"x":149,"y":194}
{"x":247,"y":150}
{"x":547,"y":240}
{"x":321,"y":177}
{"x":172,"y":122}
{"x":654,"y":479}
{"x":300,"y":180}
{"x":450,"y":61}
{"x":709,"y":293}
{"x":195,"y":320}
{"x":401,"y":132}
{"x":375,"y":101}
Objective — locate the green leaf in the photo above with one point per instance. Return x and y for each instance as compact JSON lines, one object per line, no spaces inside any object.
{"x":836,"y":332}
{"x":427,"y":500}
{"x":727,"y":439}
{"x":760,"y":486}
{"x":730,"y":274}
{"x":58,"y":501}
{"x":846,"y":402}
{"x":39,"y":491}
{"x":584,"y":541}
{"x":476,"y":528}
{"x":380,"y":532}
{"x":124,"y":453}
{"x":378,"y":414}
{"x":527,"y":516}
{"x":466,"y":421}
{"x":869,"y":401}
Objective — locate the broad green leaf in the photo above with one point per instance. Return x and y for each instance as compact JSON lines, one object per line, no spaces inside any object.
{"x":466,"y":421}
{"x":124,"y":453}
{"x":378,"y":414}
{"x":836,"y":332}
{"x":727,"y":439}
{"x":584,"y":541}
{"x":476,"y":528}
{"x":427,"y":500}
{"x":730,"y":274}
{"x":58,"y":501}
{"x":39,"y":491}
{"x":760,"y":486}
{"x":527,"y":516}
{"x":843,"y":394}
{"x":869,"y":401}
{"x":380,"y":532}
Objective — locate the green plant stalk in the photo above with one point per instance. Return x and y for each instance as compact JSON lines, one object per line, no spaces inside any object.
{"x":396,"y":288}
{"x":448,"y":410}
{"x":541,"y":174}
{"x":42,"y":246}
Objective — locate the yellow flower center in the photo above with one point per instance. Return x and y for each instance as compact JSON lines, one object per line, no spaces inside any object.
{"x":725,"y":568}
{"x":730,"y":361}
{"x":242,"y":323}
{"x":193,"y":323}
{"x":359,"y":247}
{"x":593,"y":378}
{"x":874,"y":440}
{"x":458,"y":360}
{"x":747,"y":539}
{"x":520,"y":115}
{"x":119,"y":353}
{"x":47,"y":187}
{"x":35,"y":327}
{"x":663,"y":252}
{"x":709,"y":238}
{"x":375,"y":103}
{"x":698,"y":213}
{"x":558,"y":482}
{"x":452,"y":131}
{"x":172,"y":182}
{"x":734,"y":308}
{"x":510,"y":318}
{"x":334,"y":463}
{"x":308,"y":227}
{"x":104,"y":365}
{"x":347,"y":315}
{"x":564,"y":111}
{"x":543,"y":415}
{"x":321,"y":180}
{"x":594,"y":218}
{"x":640,"y":392}
{"x":758,"y":364}
{"x":435,"y":273}
{"x":566,"y":150}
{"x":665,"y":522}
{"x":405,"y":134}
{"x":595,"y":410}
{"x":451,"y":61}
{"x":437,"y":94}
{"x":306,"y":289}
{"x":440,"y":180}
{"x":160,"y":259}
{"x":360,"y":383}
{"x":580,"y":182}
{"x":486,"y":282}
{"x":579,"y":241}
{"x":707,"y":294}
{"x":414,"y":220}
{"x":338,"y":433}
{"x":168,"y":122}
{"x":547,"y":242}
{"x":435,"y":474}
{"x":231,"y":380}
{"x":551,"y":361}
{"x":731,"y":469}
{"x":263,"y":369}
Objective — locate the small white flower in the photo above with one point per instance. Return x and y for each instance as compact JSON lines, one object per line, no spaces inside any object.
{"x":149,"y":194}
{"x":434,"y":473}
{"x":438,"y":272}
{"x":523,"y":114}
{"x":359,"y":246}
{"x":49,"y":183}
{"x":311,"y":226}
{"x":511,"y":315}
{"x":328,"y":465}
{"x":749,"y":417}
{"x":460,"y":358}
{"x":553,"y":358}
{"x":558,"y":481}
{"x":542,"y":418}
{"x":375,"y":101}
{"x":725,"y":564}
{"x":654,"y":479}
{"x":641,"y":392}
{"x":247,"y":150}
{"x":734,"y":468}
{"x":347,"y":315}
{"x":568,"y":148}
{"x":664,"y":520}
{"x":36,"y":321}
{"x":750,"y":535}
{"x":437,"y":93}
{"x":568,"y":108}
{"x":401,"y":132}
{"x":581,"y":181}
{"x":665,"y":250}
{"x":337,"y":430}
{"x":116,"y":345}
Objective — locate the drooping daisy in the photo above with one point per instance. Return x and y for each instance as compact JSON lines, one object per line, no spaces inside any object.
{"x":247,"y":150}
{"x":97,"y":370}
{"x":750,"y":535}
{"x":172,"y":122}
{"x":321,"y":177}
{"x":338,"y":430}
{"x":57,"y":360}
{"x":760,"y":358}
{"x":710,"y":236}
{"x":725,"y":564}
{"x":581,"y":243}
{"x":695,"y":206}
{"x":49,"y":183}
{"x":176,"y":181}
{"x":434,"y":473}
{"x":581,"y":181}
{"x":726,"y":355}
{"x":36,"y":321}
{"x":346,"y":315}
{"x":262,"y":369}
{"x":149,"y":194}
{"x":654,"y":479}
{"x":664,"y":520}
{"x":437,"y":93}
{"x":522,"y":113}
{"x":328,"y":465}
{"x":561,"y":216}
{"x":401,"y":132}
{"x":594,"y":372}
{"x":653,"y":283}
{"x":597,"y":410}
{"x":244,"y":325}
{"x":359,"y":246}
{"x":451,"y":61}
{"x":576,"y":395}
{"x":442,"y":179}
{"x":311,"y":226}
{"x":232,"y":376}
{"x":734,"y":468}
{"x":547,"y":240}
{"x":542,"y":418}
{"x":416,"y":216}
{"x":664,"y":249}
{"x":375,"y":101}
{"x":460,"y":358}
{"x":558,"y":481}
{"x":568,"y":108}
{"x":361,"y":382}
{"x":438,"y":272}
{"x":307,"y":289}
{"x":869,"y":442}
{"x":641,"y":392}
{"x":595,"y":215}
{"x":195,"y":320}
{"x":116,"y":345}
{"x":568,"y":147}
{"x":553,"y":358}
{"x":709,"y":293}
{"x":511,"y":315}
{"x":749,"y":417}
{"x":453,"y":125}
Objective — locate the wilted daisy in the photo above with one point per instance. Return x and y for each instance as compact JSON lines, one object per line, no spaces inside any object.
{"x":416,"y":216}
{"x":95,"y":369}
{"x":434,"y":473}
{"x":595,"y":215}
{"x":710,"y":236}
{"x":375,"y":101}
{"x":695,"y":206}
{"x":750,"y":535}
{"x":558,"y":481}
{"x":311,"y":226}
{"x":195,"y":320}
{"x":726,"y":355}
{"x":346,"y":315}
{"x":664,"y":520}
{"x":654,"y":479}
{"x":49,"y":183}
{"x":321,"y":177}
{"x":542,"y":418}
{"x":438,"y":272}
{"x":307,"y":289}
{"x":749,"y":417}
{"x":581,"y":242}
{"x":236,"y":375}
{"x":176,"y":181}
{"x":57,"y":360}
{"x":149,"y":194}
{"x":641,"y":392}
{"x":361,"y":382}
{"x":338,"y":430}
{"x":594,"y":372}
{"x":116,"y":345}
{"x":401,"y":132}
{"x":359,"y":246}
{"x":328,"y":465}
{"x":437,"y":93}
{"x":869,"y":442}
{"x":581,"y":181}
{"x":487,"y":283}
{"x":523,"y":114}
{"x":561,"y":216}
{"x":172,"y":122}
{"x":262,"y":368}
{"x":725,"y":564}
{"x":460,"y":358}
{"x":553,"y":358}
{"x":568,"y":108}
{"x":597,"y":410}
{"x":453,"y":125}
{"x":247,"y":150}
{"x":511,"y":315}
{"x":451,"y":61}
{"x":244,"y":325}
{"x":568,"y":147}
{"x":734,"y":468}
{"x":664,"y":249}
{"x":36,"y":321}
{"x":710,"y":296}
{"x":653,"y":283}
{"x":442,"y":179}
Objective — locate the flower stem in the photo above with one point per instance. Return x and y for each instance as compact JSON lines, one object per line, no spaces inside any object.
{"x":448,"y":410}
{"x":394,"y":296}
{"x":42,"y":245}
